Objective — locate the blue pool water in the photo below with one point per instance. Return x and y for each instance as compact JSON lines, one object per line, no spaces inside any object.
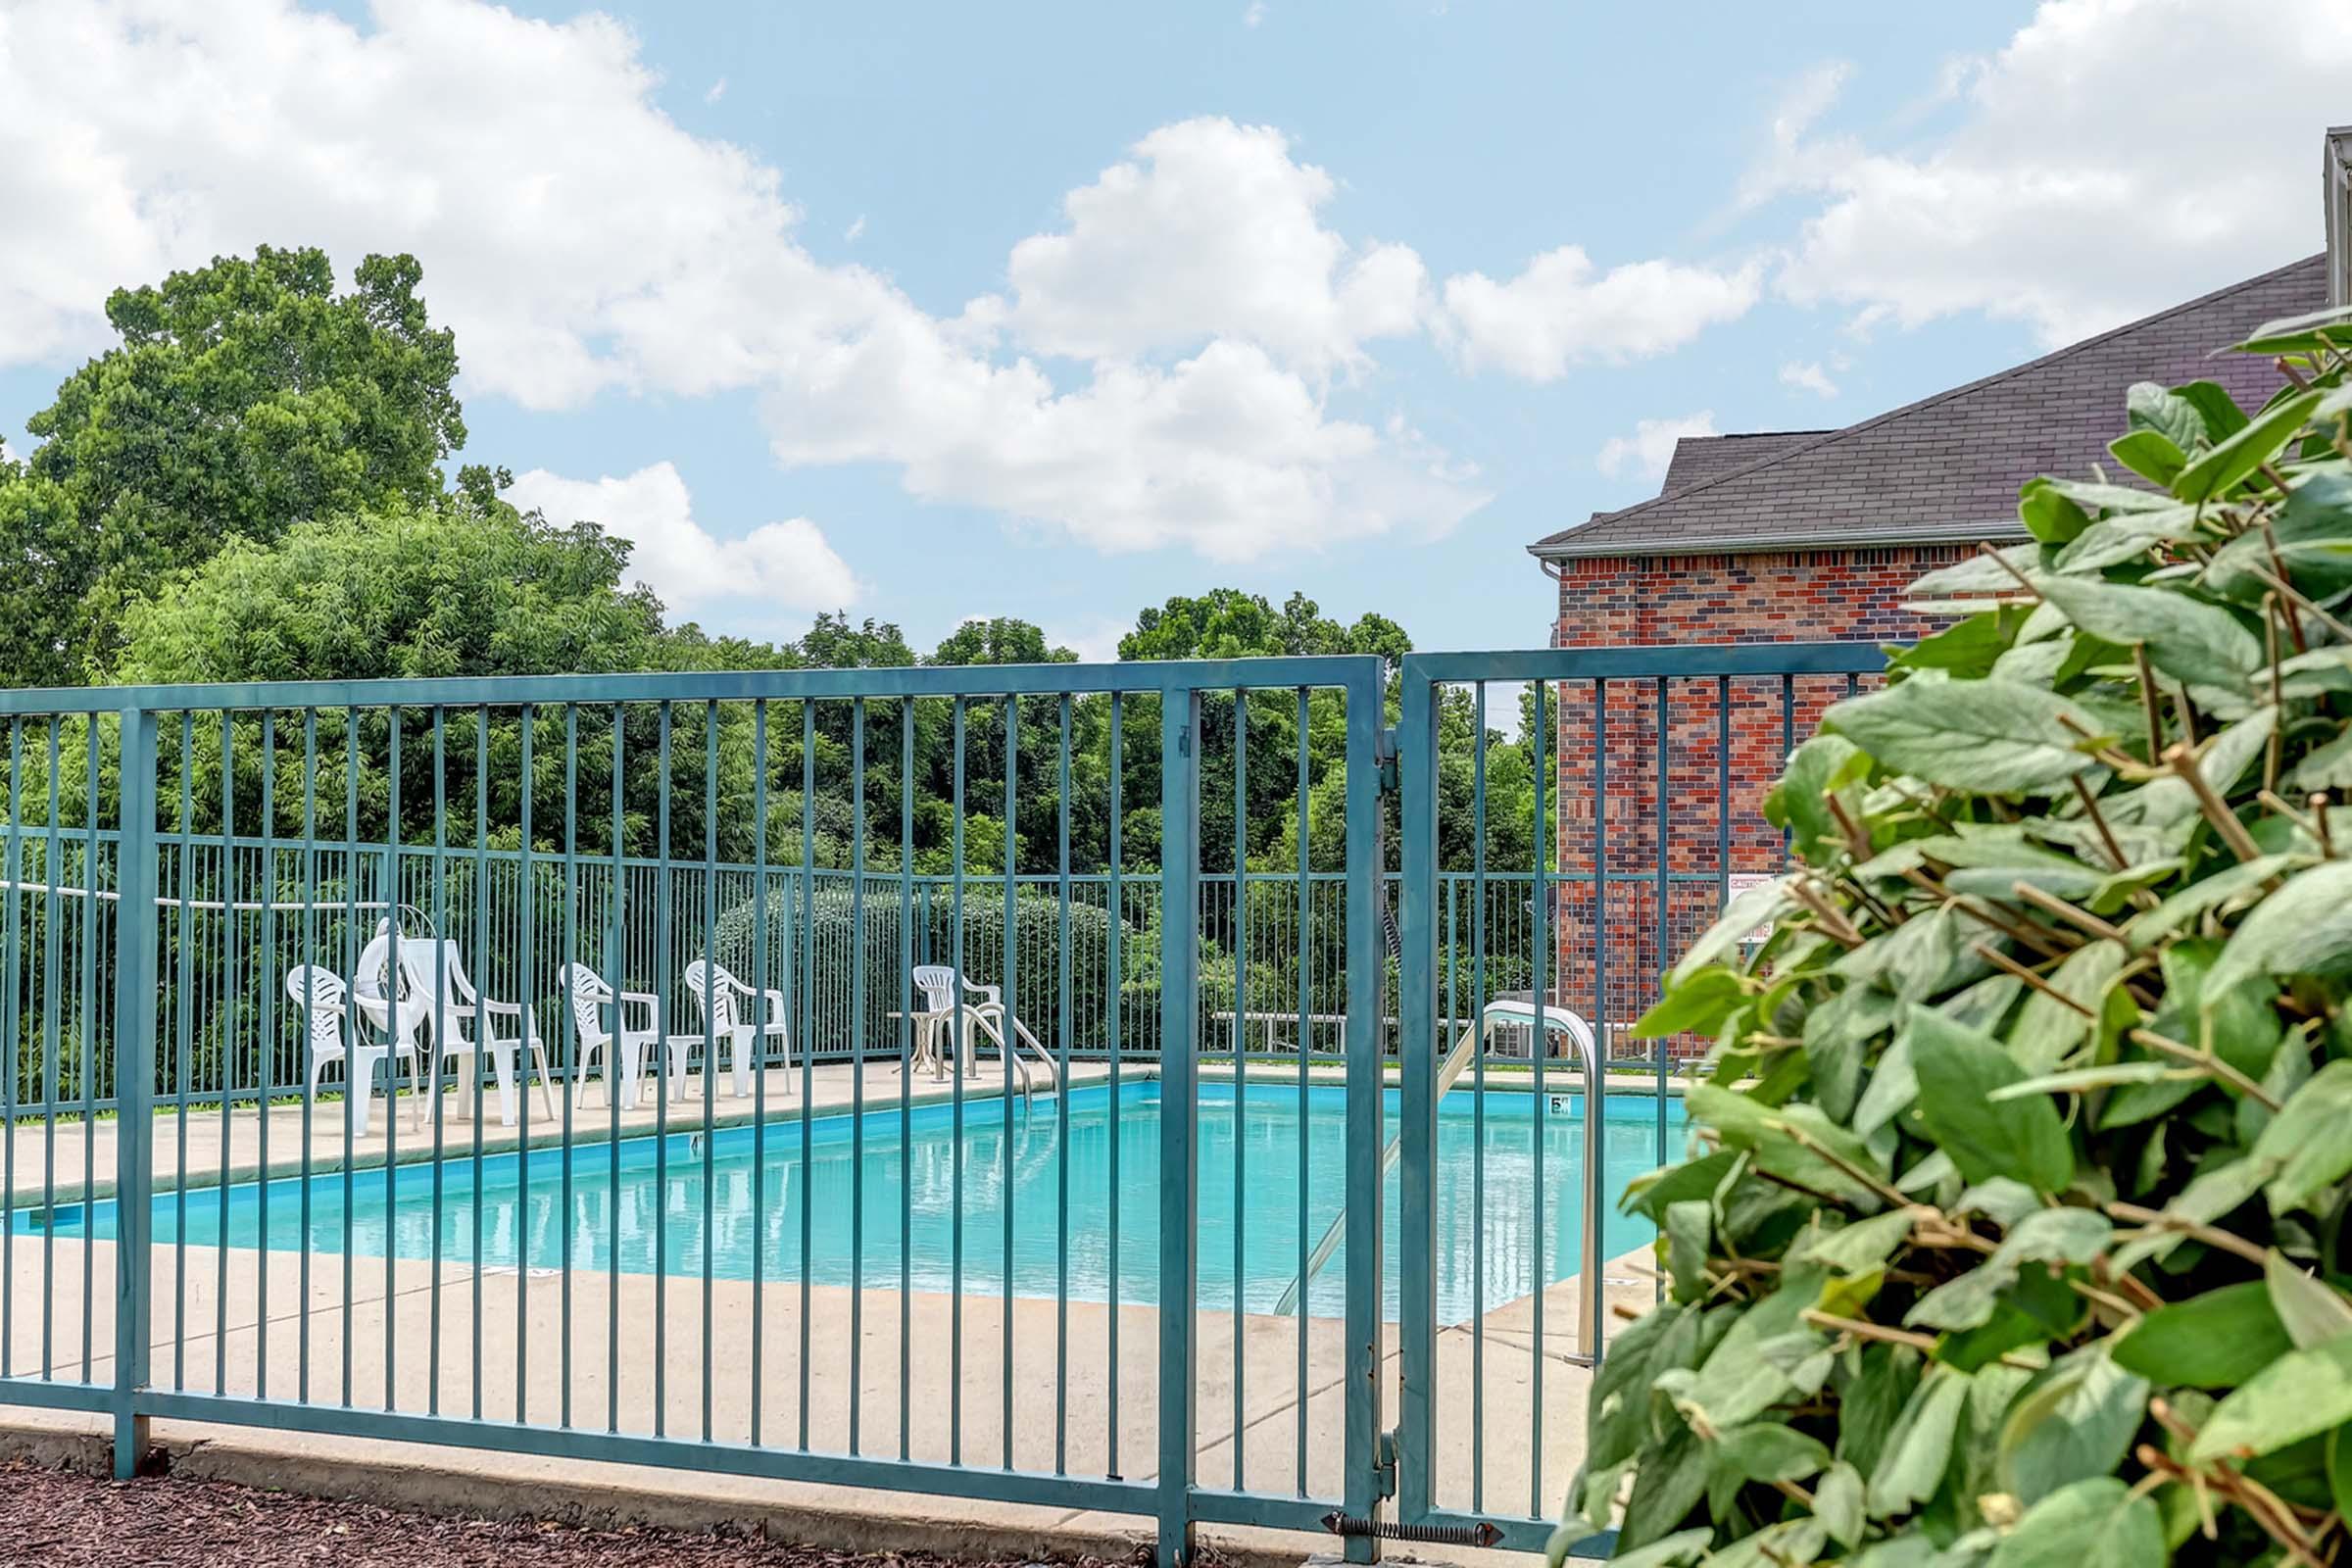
{"x":656,"y":1209}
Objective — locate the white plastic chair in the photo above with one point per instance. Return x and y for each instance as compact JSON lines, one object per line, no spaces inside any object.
{"x":717,"y":993}
{"x":398,"y":1007}
{"x":325,"y":999}
{"x":435,"y":969}
{"x":590,"y":995}
{"x":939,"y":985}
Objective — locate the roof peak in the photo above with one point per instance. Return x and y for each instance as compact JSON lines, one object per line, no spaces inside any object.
{"x":2029,"y":434}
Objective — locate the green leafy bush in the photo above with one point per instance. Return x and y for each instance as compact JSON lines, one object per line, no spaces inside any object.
{"x":2015,"y":1226}
{"x":834,"y":931}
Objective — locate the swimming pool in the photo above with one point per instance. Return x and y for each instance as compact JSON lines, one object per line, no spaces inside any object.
{"x":656,"y":1209}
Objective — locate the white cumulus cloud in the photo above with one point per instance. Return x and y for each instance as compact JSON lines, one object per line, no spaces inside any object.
{"x":1210,"y":229}
{"x":1807,"y":376}
{"x":1175,"y":363}
{"x":1562,"y":311}
{"x":2096,"y":170}
{"x":784,"y":564}
{"x":1650,"y":447}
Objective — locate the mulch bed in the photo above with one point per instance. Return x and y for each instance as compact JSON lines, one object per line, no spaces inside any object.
{"x":55,"y":1519}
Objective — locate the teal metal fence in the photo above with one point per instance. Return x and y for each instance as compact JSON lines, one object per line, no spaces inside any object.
{"x":1134,"y":1262}
{"x":211,"y":892}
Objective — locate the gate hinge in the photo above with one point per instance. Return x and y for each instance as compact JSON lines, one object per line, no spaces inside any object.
{"x":1385,"y":753}
{"x":1385,"y":1461}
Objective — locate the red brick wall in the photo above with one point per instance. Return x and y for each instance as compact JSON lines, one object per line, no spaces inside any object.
{"x":1630,"y":601}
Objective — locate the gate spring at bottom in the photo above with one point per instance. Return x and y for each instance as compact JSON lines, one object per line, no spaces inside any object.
{"x":1481,"y":1534}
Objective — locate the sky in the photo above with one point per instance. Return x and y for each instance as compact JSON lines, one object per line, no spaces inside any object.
{"x":923,"y":312}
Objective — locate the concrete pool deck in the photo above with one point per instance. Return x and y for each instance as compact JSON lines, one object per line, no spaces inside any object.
{"x":237,"y":1325}
{"x":234,"y":1339}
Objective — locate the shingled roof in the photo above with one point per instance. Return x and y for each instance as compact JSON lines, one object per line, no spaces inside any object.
{"x":1946,"y":467}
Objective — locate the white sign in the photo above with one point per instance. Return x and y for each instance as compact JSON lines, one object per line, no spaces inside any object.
{"x":1739,"y":882}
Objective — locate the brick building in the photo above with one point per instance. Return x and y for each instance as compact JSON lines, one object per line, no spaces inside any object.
{"x":1811,"y":534}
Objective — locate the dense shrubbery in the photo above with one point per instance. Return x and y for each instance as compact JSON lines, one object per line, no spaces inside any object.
{"x":2016,"y":1227}
{"x":834,"y":928}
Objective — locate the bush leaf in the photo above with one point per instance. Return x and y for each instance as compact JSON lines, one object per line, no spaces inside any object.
{"x":1958,"y":1071}
{"x":1996,"y":735}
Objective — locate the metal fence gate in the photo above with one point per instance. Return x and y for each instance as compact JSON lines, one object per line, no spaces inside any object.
{"x":1656,"y":760}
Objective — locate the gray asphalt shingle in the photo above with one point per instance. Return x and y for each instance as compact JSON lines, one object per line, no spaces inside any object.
{"x":1949,"y":463}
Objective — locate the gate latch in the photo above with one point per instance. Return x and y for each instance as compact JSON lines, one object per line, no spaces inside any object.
{"x":1383,"y":1459}
{"x":1385,"y":753}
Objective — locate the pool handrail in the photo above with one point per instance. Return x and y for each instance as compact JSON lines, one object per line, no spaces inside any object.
{"x":1501,"y":1012}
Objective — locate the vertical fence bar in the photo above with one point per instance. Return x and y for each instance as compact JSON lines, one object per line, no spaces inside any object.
{"x":88,"y":973}
{"x":1241,"y":1016}
{"x":957,"y":1035}
{"x":50,"y":937}
{"x":353,"y":1091}
{"x":808,"y":931}
{"x":857,"y":1068}
{"x":309,"y":937}
{"x":266,"y":1075}
{"x":1179,"y":1020}
{"x":439,"y":898}
{"x":135,"y":1079}
{"x":528,"y":994}
{"x":906,"y":1074}
{"x":1416,"y":1130}
{"x":1540,"y":966}
{"x":1665,"y":833}
{"x":397,"y":1000}
{"x":1478,"y":1099}
{"x":661,"y":1045}
{"x":1304,"y":1174}
{"x":711,"y":997}
{"x":12,"y":1042}
{"x":1061,"y":1113}
{"x":614,"y":949}
{"x":1596,"y":1085}
{"x":760,"y":979}
{"x":1366,"y":977}
{"x":186,"y":1022}
{"x":1117,"y":785}
{"x":1006,"y":1045}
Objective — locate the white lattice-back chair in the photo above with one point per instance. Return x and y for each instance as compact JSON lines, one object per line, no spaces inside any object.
{"x":327,"y":1035}
{"x":588,"y":994}
{"x":726,"y":1004}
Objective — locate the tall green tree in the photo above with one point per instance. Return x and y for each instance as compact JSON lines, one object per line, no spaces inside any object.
{"x":244,"y":397}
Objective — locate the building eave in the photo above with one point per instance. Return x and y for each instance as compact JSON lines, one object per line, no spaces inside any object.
{"x":1777,"y":543}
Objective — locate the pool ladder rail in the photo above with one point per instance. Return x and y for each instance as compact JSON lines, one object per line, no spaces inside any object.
{"x":1503,"y":1013}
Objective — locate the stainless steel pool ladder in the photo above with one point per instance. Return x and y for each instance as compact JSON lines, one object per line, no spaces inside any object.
{"x":1589,"y":1280}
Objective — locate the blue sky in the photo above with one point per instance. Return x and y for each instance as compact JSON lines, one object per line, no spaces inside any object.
{"x":1054,"y":311}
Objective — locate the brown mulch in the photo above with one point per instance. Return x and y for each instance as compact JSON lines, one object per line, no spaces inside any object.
{"x":55,"y":1519}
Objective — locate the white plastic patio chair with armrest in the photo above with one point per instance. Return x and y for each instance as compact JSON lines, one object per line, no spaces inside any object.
{"x":722,"y":999}
{"x":330,"y":1041}
{"x":949,"y":999}
{"x":437,"y":965}
{"x":401,"y":1009}
{"x":589,"y":994}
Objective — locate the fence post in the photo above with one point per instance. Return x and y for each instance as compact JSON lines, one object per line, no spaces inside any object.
{"x":135,"y":1081}
{"x":1179,"y":1018}
{"x":1418,"y":1054}
{"x":1367,"y":966}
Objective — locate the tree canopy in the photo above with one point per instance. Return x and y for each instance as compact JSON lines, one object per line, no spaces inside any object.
{"x":244,"y":397}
